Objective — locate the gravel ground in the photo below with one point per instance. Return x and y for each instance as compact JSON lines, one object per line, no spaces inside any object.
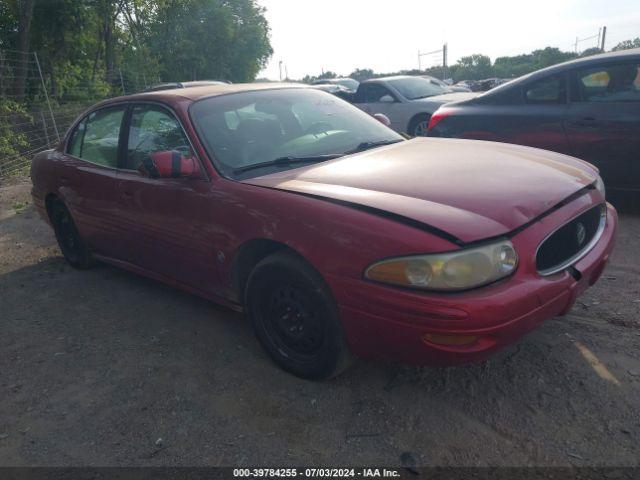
{"x":106,"y":368}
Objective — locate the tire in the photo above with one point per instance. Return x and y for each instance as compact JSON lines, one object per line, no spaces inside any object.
{"x":419,"y":125}
{"x":310,"y":343}
{"x":72,"y":245}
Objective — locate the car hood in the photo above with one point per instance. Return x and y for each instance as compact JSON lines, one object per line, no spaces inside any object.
{"x":469,"y":189}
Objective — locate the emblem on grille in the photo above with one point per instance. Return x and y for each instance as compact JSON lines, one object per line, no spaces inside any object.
{"x":581,"y":233}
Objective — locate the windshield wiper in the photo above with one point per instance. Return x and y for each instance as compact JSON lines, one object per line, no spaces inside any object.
{"x":369,"y":145}
{"x":286,"y":161}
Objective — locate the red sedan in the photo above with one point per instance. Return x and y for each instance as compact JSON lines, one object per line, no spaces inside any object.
{"x":335,"y":235}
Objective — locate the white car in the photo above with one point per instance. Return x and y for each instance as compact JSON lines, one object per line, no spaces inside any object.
{"x":407,"y":101}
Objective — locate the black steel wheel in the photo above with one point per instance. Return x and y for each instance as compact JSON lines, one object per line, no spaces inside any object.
{"x":72,"y":245}
{"x":295,"y":317}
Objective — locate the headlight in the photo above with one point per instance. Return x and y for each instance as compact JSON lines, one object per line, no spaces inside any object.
{"x":600,"y":186}
{"x":460,"y":270}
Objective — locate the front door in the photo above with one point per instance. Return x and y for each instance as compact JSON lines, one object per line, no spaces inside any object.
{"x":169,"y":219}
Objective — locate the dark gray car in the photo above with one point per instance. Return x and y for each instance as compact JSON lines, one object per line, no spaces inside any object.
{"x":588,"y":108}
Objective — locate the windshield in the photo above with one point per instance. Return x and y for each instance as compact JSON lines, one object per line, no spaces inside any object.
{"x":350,"y":83}
{"x":251,"y":128}
{"x":413,"y":88}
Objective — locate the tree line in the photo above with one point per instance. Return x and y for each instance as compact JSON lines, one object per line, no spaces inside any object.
{"x":479,"y":67}
{"x":89,"y":48}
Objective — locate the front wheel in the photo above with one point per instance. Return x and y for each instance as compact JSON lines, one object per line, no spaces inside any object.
{"x":72,"y":245}
{"x":295,"y":317}
{"x":419,"y":125}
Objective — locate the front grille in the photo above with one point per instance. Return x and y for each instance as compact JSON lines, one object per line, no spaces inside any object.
{"x":571,"y":241}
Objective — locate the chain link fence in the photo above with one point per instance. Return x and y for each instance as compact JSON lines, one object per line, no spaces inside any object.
{"x":35,"y":112}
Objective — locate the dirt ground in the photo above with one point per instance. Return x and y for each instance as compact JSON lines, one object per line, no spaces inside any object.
{"x":106,"y":368}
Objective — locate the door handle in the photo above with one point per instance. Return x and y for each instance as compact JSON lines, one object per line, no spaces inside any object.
{"x":587,"y":122}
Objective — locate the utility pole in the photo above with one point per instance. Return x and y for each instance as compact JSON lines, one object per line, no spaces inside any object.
{"x":280,"y":66}
{"x":286,"y":72}
{"x":576,"y":47}
{"x":419,"y":61}
{"x":604,"y":35}
{"x":445,"y":52}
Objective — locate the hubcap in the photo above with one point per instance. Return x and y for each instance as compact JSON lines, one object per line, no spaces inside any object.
{"x":295,"y":324}
{"x":421,"y":129}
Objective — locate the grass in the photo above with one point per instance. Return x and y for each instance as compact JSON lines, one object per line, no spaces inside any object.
{"x":19,"y":206}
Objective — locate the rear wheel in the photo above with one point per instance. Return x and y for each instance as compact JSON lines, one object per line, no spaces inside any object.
{"x":419,"y":125}
{"x":295,"y":317}
{"x":72,"y":245}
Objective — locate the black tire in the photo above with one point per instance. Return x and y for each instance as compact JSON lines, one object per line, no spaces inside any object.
{"x":72,"y":245}
{"x":295,"y":317}
{"x":421,"y":120}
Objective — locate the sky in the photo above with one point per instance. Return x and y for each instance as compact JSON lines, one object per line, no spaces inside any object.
{"x":310,"y":36}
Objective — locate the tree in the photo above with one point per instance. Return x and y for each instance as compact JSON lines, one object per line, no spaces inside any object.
{"x":25,"y":14}
{"x":328,"y":74}
{"x":627,"y":44}
{"x":209,"y":39}
{"x":473,"y":67}
{"x":361,"y":74}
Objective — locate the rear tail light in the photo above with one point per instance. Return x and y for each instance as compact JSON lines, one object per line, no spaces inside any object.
{"x":438,"y":116}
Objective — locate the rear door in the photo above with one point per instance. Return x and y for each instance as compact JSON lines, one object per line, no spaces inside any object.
{"x":168,"y":220}
{"x":603,"y":121}
{"x":87,"y":177}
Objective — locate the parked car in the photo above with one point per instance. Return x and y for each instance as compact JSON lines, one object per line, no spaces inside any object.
{"x":588,"y":108}
{"x":446,"y":86}
{"x":337,"y":90}
{"x":408,"y":101}
{"x":348,"y":83}
{"x":333,"y":233}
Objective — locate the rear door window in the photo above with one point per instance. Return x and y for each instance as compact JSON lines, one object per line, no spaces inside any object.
{"x":96,"y":138}
{"x":609,"y":83}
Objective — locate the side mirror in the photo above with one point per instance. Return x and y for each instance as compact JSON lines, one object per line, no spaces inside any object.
{"x":169,"y":164}
{"x":383,"y":119}
{"x":386,"y":99}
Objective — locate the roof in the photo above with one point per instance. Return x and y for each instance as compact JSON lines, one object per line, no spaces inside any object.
{"x":386,"y":79}
{"x":586,"y":61}
{"x":172,"y":85}
{"x":630,"y":54}
{"x":198,"y":92}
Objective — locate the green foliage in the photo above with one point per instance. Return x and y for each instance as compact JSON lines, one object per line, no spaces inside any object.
{"x":12,"y":143}
{"x":474,"y":67}
{"x":209,"y":39}
{"x":324,"y":75}
{"x":511,"y":67}
{"x":90,"y":49}
{"x":627,"y":44}
{"x":361,"y":74}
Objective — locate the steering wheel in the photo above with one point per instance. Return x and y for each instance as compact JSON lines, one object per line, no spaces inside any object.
{"x":318,"y":127}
